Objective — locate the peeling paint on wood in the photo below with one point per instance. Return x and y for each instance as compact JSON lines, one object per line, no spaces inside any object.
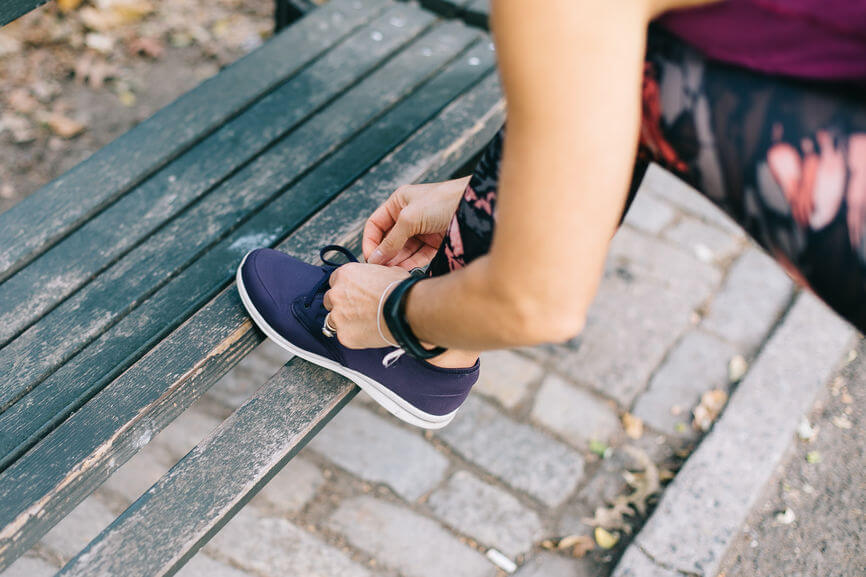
{"x":414,"y":140}
{"x":40,"y":220}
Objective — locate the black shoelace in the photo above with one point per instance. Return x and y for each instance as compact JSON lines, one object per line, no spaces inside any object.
{"x":330,"y":266}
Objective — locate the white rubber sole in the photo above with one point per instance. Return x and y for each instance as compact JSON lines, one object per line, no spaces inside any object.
{"x":387,"y":398}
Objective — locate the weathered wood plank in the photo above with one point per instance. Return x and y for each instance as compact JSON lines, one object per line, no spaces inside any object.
{"x":59,"y":272}
{"x":41,"y":219}
{"x":109,"y":297}
{"x":49,"y":403}
{"x":165,"y":527}
{"x":12,"y":9}
{"x":56,"y":474}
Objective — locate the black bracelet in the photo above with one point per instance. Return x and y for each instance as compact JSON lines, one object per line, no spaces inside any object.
{"x":394,"y":313}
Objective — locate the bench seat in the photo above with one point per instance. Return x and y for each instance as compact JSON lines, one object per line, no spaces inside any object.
{"x":116,"y":297}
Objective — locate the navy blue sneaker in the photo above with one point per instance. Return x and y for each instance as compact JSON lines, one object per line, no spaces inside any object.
{"x":284,"y":297}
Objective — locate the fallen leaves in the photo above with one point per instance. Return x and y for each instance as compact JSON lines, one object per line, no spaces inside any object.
{"x":22,"y":102}
{"x":632,"y":425}
{"x":644,"y":484}
{"x":147,"y":46}
{"x":737,"y":368}
{"x":67,"y":6}
{"x":606,"y":539}
{"x":785,"y":517}
{"x":813,"y":457}
{"x":706,"y":413}
{"x":61,"y":125}
{"x":575,"y":545}
{"x":18,"y":126}
{"x":841,"y":422}
{"x":8,"y":44}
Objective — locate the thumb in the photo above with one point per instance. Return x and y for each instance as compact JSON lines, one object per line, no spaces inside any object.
{"x":393,"y":241}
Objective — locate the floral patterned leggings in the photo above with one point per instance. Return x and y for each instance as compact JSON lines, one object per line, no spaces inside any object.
{"x":785,"y":159}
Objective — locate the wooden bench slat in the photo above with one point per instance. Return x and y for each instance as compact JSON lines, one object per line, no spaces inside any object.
{"x":171,"y":521}
{"x":12,"y":9}
{"x":29,"y":419}
{"x":76,"y":259}
{"x":34,"y":224}
{"x":109,"y":297}
{"x":56,"y":474}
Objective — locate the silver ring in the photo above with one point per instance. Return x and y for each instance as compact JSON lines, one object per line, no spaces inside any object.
{"x":327,"y":329}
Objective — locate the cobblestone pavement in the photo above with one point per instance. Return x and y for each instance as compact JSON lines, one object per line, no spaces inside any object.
{"x":550,"y":435}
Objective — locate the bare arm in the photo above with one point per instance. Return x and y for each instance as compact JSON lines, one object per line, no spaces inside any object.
{"x":571,"y":72}
{"x":567,"y":160}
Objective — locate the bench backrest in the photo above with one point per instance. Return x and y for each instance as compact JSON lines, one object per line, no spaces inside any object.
{"x":12,"y":9}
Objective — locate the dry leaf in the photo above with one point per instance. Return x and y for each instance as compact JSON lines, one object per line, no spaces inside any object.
{"x":606,"y":539}
{"x":633,"y":426}
{"x":576,"y":545}
{"x":61,"y":125}
{"x":146,"y":46}
{"x":68,"y":5}
{"x":8,"y":45}
{"x":20,"y":128}
{"x":737,"y":368}
{"x":785,"y":517}
{"x":841,"y":422}
{"x":708,"y":411}
{"x":21,"y":101}
{"x":100,"y":42}
{"x":94,"y":70}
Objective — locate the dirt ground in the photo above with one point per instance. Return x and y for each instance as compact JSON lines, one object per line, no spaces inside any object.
{"x":812,"y":521}
{"x":76,"y":74}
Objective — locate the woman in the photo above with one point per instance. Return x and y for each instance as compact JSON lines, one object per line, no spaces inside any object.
{"x":757,"y":103}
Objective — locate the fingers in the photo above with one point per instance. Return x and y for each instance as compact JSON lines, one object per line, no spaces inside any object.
{"x":394,"y":240}
{"x":329,"y":305}
{"x":379,"y":223}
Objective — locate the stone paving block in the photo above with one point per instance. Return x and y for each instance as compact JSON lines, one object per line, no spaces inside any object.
{"x":577,"y":415}
{"x":187,"y":431}
{"x":662,"y":184}
{"x":519,"y":455}
{"x":552,"y":565}
{"x":291,"y":488}
{"x":203,"y":566}
{"x":755,"y":293}
{"x":698,"y":363}
{"x":271,"y":547}
{"x":635,"y":563}
{"x":377,"y":450}
{"x":674,"y":269}
{"x":630,"y":326}
{"x":706,"y":242}
{"x":703,"y":508}
{"x":78,"y":528}
{"x":487,"y":514}
{"x":649,"y":214}
{"x":252,"y":372}
{"x":28,"y":566}
{"x":138,"y":474}
{"x":406,"y":541}
{"x":506,"y":376}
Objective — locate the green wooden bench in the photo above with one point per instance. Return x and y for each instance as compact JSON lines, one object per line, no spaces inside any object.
{"x":117,"y":306}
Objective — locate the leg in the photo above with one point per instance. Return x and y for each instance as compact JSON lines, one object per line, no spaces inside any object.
{"x":785,"y":159}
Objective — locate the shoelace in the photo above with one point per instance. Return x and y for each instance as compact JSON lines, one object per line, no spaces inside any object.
{"x":322,"y":286}
{"x":330,"y":266}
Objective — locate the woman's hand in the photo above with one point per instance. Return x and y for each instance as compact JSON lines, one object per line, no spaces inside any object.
{"x":407,"y":229}
{"x":353,"y":300}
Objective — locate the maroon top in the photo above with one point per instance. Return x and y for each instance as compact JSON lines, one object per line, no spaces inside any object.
{"x":816,"y":39}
